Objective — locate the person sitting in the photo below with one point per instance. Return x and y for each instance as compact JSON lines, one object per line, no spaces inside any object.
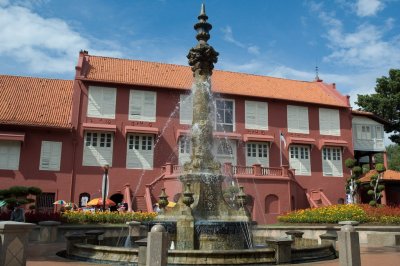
{"x":18,"y":214}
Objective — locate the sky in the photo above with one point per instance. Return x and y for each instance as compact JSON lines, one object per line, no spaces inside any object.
{"x":351,"y":42}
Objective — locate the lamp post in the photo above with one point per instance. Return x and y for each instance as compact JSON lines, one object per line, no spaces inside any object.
{"x":105,"y":183}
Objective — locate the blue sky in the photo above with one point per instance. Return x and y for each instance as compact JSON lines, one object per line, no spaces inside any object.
{"x":352,"y":42}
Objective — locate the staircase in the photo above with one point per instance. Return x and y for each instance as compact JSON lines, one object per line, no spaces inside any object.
{"x":317,"y":198}
{"x":140,"y":204}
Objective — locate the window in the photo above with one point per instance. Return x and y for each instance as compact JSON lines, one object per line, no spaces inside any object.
{"x":98,"y":149}
{"x":332,"y":162}
{"x":9,"y":154}
{"x":184,"y":150}
{"x":142,"y":105}
{"x":44,"y":202}
{"x":224,"y":115}
{"x":101,"y":102}
{"x":257,"y":153}
{"x":140,"y":151}
{"x":186,"y":109}
{"x":379,"y":132}
{"x":50,"y":156}
{"x":297,"y":117}
{"x":225,"y":151}
{"x":329,"y":123}
{"x":299,"y":159}
{"x":256,"y":115}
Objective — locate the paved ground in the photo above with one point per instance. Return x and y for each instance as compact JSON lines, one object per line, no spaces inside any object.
{"x":45,"y":254}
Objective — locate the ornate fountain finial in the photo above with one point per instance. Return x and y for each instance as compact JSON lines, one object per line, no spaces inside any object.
{"x":202,"y":57}
{"x":203,"y":27}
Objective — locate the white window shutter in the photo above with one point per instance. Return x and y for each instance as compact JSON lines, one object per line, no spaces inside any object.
{"x":292,"y":118}
{"x":303,"y":120}
{"x":101,"y":102}
{"x":45,"y":156}
{"x":335,"y":119}
{"x":329,"y":122}
{"x":251,"y":114}
{"x":262,"y":116}
{"x":324,"y":121}
{"x":140,"y":158}
{"x":135,"y":105}
{"x":149,"y":109}
{"x":184,"y":150}
{"x":50,"y":156}
{"x":95,"y":101}
{"x":109,"y":100}
{"x":9,"y":155}
{"x":186,"y":109}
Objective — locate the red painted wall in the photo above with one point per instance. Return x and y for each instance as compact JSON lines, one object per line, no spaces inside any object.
{"x":88,"y":178}
{"x":58,"y":182}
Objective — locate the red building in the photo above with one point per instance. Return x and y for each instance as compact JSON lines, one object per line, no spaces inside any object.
{"x":135,"y":116}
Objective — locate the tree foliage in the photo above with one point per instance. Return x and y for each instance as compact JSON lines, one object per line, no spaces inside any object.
{"x":385,"y":102}
{"x":19,"y":195}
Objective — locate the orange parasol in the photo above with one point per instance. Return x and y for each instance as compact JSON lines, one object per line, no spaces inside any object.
{"x":99,"y":202}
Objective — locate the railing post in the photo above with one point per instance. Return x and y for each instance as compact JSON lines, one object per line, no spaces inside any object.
{"x":257,"y":169}
{"x":285,"y":170}
{"x":228,"y":169}
{"x":169,"y":168}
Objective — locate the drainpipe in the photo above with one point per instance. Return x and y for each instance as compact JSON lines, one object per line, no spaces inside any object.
{"x":73,"y":172}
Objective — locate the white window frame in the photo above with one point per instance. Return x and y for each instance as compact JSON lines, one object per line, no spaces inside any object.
{"x":145,"y":103}
{"x":332,"y":161}
{"x":101,"y":102}
{"x":329,"y":122}
{"x":300,"y":159}
{"x":256,"y":115}
{"x":99,"y":145}
{"x":50,"y":156}
{"x":9,"y":154}
{"x":297,"y":119}
{"x":257,"y":153}
{"x":186,"y":109}
{"x":221,"y":126}
{"x":140,"y":151}
{"x":184,"y":149}
{"x":225,"y":150}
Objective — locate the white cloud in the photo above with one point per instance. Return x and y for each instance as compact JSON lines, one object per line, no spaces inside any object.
{"x":366,"y":8}
{"x":228,"y":36}
{"x":365,"y":47}
{"x":42,"y":44}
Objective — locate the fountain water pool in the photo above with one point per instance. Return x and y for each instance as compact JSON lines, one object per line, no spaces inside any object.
{"x":204,"y":228}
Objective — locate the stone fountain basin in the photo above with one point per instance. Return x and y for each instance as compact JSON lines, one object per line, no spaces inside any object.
{"x":259,"y":256}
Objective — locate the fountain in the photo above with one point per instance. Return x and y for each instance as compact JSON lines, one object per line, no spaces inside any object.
{"x":203,"y":218}
{"x":203,"y":227}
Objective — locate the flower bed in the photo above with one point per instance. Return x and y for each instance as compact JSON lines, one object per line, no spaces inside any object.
{"x":33,"y":217}
{"x":335,"y":213}
{"x":80,"y":217}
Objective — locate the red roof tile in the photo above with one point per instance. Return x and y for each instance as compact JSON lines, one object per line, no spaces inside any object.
{"x":35,"y":101}
{"x":388,"y":175}
{"x":124,"y":71}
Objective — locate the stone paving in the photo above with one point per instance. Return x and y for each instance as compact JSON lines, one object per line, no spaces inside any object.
{"x":45,"y":254}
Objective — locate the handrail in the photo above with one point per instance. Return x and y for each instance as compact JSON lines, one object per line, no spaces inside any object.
{"x":325,"y":199}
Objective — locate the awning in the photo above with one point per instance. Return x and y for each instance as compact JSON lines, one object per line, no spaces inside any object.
{"x":254,"y":137}
{"x":145,"y":130}
{"x":228,"y":135}
{"x":99,"y":127}
{"x":18,"y":136}
{"x":299,"y":140}
{"x":181,"y":132}
{"x":333,"y":142}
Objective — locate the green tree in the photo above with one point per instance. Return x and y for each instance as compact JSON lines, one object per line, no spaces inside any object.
{"x":385,"y":102}
{"x":376,"y":188}
{"x":353,"y":182}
